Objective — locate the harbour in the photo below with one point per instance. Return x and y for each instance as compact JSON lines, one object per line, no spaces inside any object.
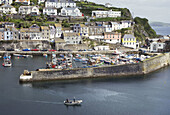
{"x":60,"y":68}
{"x":141,"y":94}
{"x":78,"y":57}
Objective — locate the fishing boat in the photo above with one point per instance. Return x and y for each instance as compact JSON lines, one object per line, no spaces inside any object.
{"x":7,"y":61}
{"x":25,"y":56}
{"x":72,"y":102}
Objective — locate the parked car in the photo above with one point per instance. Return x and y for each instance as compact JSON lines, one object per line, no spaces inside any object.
{"x":17,"y":50}
{"x":26,"y":50}
{"x":61,"y":50}
{"x":80,"y":50}
{"x":90,"y":50}
{"x":9,"y":49}
{"x":52,"y":50}
{"x":35,"y":50}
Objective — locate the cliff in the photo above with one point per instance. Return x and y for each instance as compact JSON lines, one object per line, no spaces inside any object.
{"x":142,"y":29}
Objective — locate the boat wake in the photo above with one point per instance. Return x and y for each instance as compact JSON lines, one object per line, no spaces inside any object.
{"x":44,"y":102}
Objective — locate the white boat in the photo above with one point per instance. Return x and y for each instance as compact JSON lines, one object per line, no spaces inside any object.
{"x":25,"y":56}
{"x":73,"y":102}
{"x":7,"y":61}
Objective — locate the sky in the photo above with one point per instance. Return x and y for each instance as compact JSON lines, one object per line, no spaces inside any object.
{"x":154,"y":10}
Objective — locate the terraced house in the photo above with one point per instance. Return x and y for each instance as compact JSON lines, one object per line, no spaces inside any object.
{"x":58,"y":30}
{"x":7,"y":9}
{"x":34,"y":10}
{"x":50,"y":11}
{"x":31,"y":33}
{"x":72,"y":38}
{"x":45,"y":32}
{"x":112,"y":37}
{"x":70,"y":12}
{"x":11,"y":33}
{"x":104,"y":14}
{"x":82,"y":29}
{"x":60,"y":3}
{"x":1,"y":33}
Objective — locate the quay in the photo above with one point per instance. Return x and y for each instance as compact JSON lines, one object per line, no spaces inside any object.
{"x":56,"y":52}
{"x":145,"y":67}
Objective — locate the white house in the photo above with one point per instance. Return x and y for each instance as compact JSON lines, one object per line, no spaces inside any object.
{"x":157,"y":45}
{"x":72,"y":38}
{"x":121,"y":25}
{"x":41,"y":1}
{"x":29,"y":10}
{"x":11,"y":33}
{"x":116,"y":26}
{"x":70,"y":12}
{"x":82,"y":29}
{"x":104,"y":14}
{"x":50,"y":11}
{"x":26,"y":2}
{"x":6,"y":8}
{"x":103,"y":48}
{"x":52,"y":32}
{"x":129,"y":40}
{"x":6,"y":1}
{"x":108,"y":27}
{"x":60,"y":3}
{"x":125,"y":24}
{"x":31,"y":33}
{"x":58,"y":30}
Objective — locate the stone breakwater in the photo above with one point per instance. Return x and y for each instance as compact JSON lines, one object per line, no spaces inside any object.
{"x":116,"y":71}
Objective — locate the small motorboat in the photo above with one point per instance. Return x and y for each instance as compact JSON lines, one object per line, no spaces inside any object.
{"x":72,"y":102}
{"x":7,"y":61}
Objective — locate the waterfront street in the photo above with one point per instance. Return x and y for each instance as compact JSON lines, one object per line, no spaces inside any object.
{"x":148,"y":94}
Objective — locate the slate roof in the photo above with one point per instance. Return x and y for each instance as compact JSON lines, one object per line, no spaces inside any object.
{"x":128,"y":36}
{"x":7,"y":6}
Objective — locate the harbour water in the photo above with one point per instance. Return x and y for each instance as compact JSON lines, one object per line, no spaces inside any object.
{"x":138,"y":95}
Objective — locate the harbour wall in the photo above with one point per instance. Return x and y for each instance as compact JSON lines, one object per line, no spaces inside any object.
{"x":116,"y":71}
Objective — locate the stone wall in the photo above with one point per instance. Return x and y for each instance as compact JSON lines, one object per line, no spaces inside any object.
{"x":22,"y":44}
{"x":121,"y":70}
{"x":155,"y":63}
{"x":145,"y":67}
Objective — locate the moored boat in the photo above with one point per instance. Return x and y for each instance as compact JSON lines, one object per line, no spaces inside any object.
{"x":7,"y":61}
{"x":25,"y":56}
